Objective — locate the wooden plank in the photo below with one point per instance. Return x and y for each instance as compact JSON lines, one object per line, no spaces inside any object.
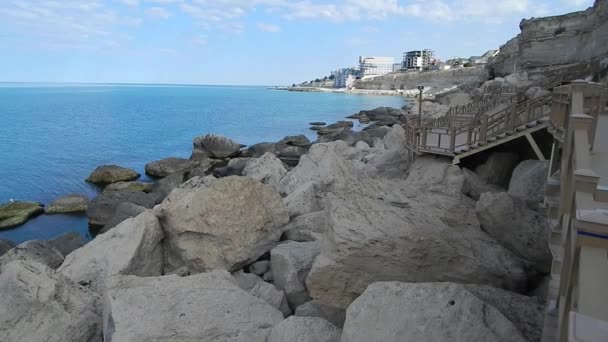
{"x":539,"y":153}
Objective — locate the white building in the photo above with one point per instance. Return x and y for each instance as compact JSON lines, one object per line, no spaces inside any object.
{"x":418,"y":59}
{"x":375,"y":66}
{"x":397,"y":67}
{"x":344,"y":78}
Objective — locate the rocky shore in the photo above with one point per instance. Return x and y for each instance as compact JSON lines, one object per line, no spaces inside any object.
{"x":348,"y":238}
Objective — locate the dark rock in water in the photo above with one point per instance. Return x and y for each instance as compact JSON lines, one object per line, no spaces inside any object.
{"x":123,"y":212}
{"x":135,"y":186}
{"x":347,"y":135}
{"x":67,"y":243}
{"x":108,"y":174}
{"x":13,"y":214}
{"x":327,"y":130}
{"x":215,"y":146}
{"x":341,"y":124}
{"x":5,"y":246}
{"x":164,"y":167}
{"x":102,"y":208}
{"x":258,"y":150}
{"x":376,"y":131}
{"x":68,"y":204}
{"x":316,"y":128}
{"x":34,"y":251}
{"x":318,"y":123}
{"x":295,"y":140}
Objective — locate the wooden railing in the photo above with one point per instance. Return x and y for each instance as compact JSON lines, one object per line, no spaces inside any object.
{"x":576,"y":111}
{"x":440,"y":136}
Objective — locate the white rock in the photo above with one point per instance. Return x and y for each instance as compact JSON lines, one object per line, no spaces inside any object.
{"x":226,"y":224}
{"x":39,"y":305}
{"x":325,"y":164}
{"x":379,"y":230}
{"x":528,"y":181}
{"x":362,"y":146}
{"x":132,"y":247}
{"x":313,"y":308}
{"x":304,"y":329}
{"x":396,"y":312}
{"x":267,"y":169}
{"x":436,"y":173}
{"x":202,"y":307}
{"x":306,"y":227}
{"x":260,"y":267}
{"x":271,"y":295}
{"x":521,"y":230}
{"x":303,"y":200}
{"x":291,"y":263}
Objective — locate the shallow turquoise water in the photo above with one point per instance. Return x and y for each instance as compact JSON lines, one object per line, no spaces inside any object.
{"x":53,"y":136}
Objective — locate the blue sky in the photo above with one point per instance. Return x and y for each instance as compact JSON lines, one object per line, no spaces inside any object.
{"x":258,"y":42}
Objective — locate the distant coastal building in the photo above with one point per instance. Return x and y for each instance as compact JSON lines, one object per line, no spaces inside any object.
{"x":344,"y":78}
{"x":397,"y":67}
{"x":375,"y":66}
{"x":418,"y":59}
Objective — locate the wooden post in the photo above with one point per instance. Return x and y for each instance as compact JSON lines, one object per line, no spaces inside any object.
{"x":483,"y":131}
{"x":423,"y":136}
{"x":452,"y":139}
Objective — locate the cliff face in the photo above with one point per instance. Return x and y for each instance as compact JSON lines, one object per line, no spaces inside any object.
{"x":555,"y":41}
{"x":435,"y":80}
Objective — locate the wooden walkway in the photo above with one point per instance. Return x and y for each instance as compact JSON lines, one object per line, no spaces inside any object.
{"x":500,"y":116}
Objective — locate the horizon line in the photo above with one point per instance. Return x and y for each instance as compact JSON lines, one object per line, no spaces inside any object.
{"x":135,"y":84}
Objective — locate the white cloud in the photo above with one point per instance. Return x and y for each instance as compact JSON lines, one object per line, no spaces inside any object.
{"x":268,"y":27}
{"x":158,"y":12}
{"x":130,"y":2}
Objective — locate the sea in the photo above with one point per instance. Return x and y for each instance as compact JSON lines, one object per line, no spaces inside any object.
{"x":53,"y":135}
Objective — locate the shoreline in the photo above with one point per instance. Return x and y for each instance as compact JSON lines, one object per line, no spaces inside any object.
{"x":402,"y":93}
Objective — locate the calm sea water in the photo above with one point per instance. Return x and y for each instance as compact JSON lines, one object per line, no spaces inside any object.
{"x":53,"y":136}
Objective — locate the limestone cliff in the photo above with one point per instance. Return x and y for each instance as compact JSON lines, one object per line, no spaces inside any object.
{"x":435,"y":80}
{"x":556,"y":41}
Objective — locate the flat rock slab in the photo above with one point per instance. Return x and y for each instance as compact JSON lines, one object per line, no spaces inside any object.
{"x":397,"y":312}
{"x":108,"y":174}
{"x":34,"y":251}
{"x":68,"y":204}
{"x":304,"y":329}
{"x":38,"y":304}
{"x":13,"y":214}
{"x":133,"y":186}
{"x":202,"y":307}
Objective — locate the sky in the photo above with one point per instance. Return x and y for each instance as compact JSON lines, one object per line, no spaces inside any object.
{"x":242,"y":42}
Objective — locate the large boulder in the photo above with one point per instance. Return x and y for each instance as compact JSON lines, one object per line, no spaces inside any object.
{"x":290,"y":264}
{"x":67,"y":243}
{"x":102,"y":208}
{"x":215,"y":146}
{"x":436,"y":173}
{"x":123,"y":211}
{"x":497,"y":168}
{"x":304,"y":329}
{"x":380,"y":230}
{"x":313,"y":308}
{"x":528,"y":181}
{"x":227,"y":224}
{"x":132,"y":247}
{"x":259,"y":149}
{"x":324,"y":164}
{"x":202,"y":307}
{"x":41,"y":252}
{"x":267,"y":169}
{"x":107,"y":174}
{"x":306,"y":227}
{"x":5,"y":246}
{"x":303,"y":200}
{"x":474,"y":185}
{"x":40,"y":305}
{"x":13,"y":214}
{"x":257,"y":287}
{"x":291,"y":155}
{"x":68,"y":204}
{"x":521,"y":230}
{"x":164,"y":167}
{"x":162,"y":187}
{"x":395,"y":312}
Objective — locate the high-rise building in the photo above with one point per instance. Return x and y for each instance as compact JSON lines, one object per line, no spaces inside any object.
{"x":375,"y":66}
{"x":418,"y":59}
